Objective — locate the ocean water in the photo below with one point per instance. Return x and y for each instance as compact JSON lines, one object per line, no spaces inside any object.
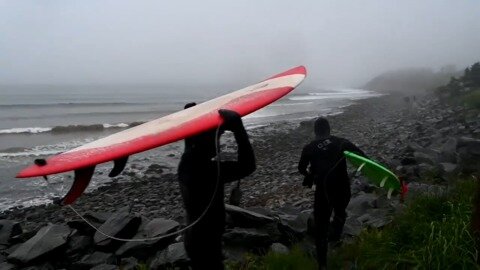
{"x":39,"y":121}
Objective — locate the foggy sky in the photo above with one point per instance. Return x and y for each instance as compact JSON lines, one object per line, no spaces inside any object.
{"x":342,"y":43}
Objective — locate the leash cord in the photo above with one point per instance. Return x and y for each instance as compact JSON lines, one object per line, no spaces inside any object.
{"x":217,"y":185}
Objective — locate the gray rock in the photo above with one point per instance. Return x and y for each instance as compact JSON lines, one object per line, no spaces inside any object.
{"x":448,"y":168}
{"x":294,"y":226}
{"x":279,"y":248}
{"x":96,"y":218}
{"x":8,"y":229}
{"x":45,"y":266}
{"x":129,"y":263}
{"x":48,"y":240}
{"x":448,"y":151}
{"x":121,"y":225}
{"x":105,"y":267}
{"x":78,"y":243}
{"x":7,"y":266}
{"x":250,"y":238}
{"x":361,"y":203}
{"x":426,"y":156}
{"x":174,"y":255}
{"x":353,"y":227}
{"x":154,"y":228}
{"x":376,"y":218}
{"x":235,"y":253}
{"x":245,"y":218}
{"x":468,"y":154}
{"x":96,"y":258}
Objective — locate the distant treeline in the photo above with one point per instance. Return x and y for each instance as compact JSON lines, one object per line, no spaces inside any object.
{"x":411,"y":80}
{"x":467,"y":83}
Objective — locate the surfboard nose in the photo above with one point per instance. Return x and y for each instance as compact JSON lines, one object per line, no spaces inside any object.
{"x":296,"y":70}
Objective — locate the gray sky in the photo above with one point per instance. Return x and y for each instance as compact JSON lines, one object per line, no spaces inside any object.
{"x":342,"y":43}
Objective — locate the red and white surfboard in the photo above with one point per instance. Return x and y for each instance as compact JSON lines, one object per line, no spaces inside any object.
{"x":170,"y":128}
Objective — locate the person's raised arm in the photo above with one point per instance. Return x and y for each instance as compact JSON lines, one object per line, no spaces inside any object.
{"x":245,"y":164}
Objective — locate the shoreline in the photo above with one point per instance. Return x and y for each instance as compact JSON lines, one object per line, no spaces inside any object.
{"x":415,"y":140}
{"x":155,"y":192}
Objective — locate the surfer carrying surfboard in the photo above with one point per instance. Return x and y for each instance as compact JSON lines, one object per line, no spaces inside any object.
{"x":201,"y":182}
{"x":322,"y":163}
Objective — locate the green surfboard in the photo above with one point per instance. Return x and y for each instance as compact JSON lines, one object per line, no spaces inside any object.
{"x":375,"y":172}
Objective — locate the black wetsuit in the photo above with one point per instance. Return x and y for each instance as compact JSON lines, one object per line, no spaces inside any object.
{"x":328,"y":170}
{"x":198,"y":174}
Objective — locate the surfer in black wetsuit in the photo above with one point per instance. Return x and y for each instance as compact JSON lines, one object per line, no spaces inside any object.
{"x":200,"y":181}
{"x":323,"y":164}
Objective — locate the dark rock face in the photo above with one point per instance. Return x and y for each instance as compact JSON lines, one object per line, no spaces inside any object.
{"x":251,"y":238}
{"x":48,"y":240}
{"x":121,"y":225}
{"x":175,"y":254}
{"x":8,"y":230}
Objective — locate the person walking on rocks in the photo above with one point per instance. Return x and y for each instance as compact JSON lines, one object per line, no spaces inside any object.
{"x":201,"y":183}
{"x":322,"y":163}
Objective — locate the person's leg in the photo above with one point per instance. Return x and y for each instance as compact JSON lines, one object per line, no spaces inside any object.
{"x":340,"y":216}
{"x":322,"y":212}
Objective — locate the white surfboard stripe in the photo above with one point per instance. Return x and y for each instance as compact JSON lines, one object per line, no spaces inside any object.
{"x":183,"y":116}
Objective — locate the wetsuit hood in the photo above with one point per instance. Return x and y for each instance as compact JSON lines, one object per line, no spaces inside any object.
{"x":322,"y":128}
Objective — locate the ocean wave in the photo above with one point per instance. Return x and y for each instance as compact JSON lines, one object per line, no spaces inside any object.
{"x":32,"y":130}
{"x":291,"y":104}
{"x":87,"y":114}
{"x":42,"y":150}
{"x":71,"y":104}
{"x":66,"y":129}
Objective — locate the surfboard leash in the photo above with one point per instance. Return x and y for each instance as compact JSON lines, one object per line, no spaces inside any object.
{"x":217,"y":185}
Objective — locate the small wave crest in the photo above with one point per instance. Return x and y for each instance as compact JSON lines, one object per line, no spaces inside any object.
{"x":32,"y":130}
{"x":66,"y":129}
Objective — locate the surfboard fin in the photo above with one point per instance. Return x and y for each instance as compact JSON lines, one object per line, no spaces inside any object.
{"x":80,"y":183}
{"x":118,"y":166}
{"x":389,"y":194}
{"x":383,"y":181}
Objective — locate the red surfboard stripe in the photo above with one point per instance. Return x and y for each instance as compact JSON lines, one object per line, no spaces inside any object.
{"x":88,"y":157}
{"x":297,"y":70}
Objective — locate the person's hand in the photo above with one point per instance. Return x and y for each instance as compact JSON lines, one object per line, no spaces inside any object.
{"x":231,"y":119}
{"x":308,"y":181}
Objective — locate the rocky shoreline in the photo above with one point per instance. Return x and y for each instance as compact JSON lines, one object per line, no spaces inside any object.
{"x":419,"y":138}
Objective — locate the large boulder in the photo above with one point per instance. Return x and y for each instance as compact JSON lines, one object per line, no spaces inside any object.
{"x":121,"y":225}
{"x":152,"y":229}
{"x":48,"y":240}
{"x":245,"y":218}
{"x":8,"y":230}
{"x":173,"y":255}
